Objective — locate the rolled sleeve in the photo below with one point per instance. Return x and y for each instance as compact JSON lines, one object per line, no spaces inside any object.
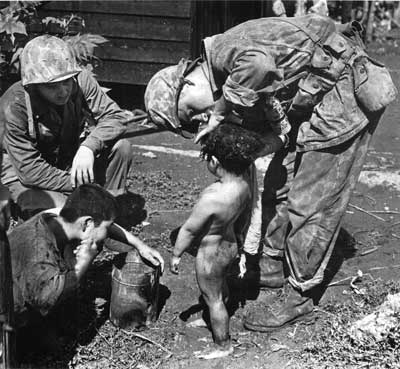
{"x":252,"y":70}
{"x":110,"y":118}
{"x":239,"y":95}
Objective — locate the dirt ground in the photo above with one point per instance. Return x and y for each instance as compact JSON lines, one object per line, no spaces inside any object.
{"x":169,"y":182}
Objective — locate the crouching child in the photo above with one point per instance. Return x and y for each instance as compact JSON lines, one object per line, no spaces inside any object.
{"x":218,"y":221}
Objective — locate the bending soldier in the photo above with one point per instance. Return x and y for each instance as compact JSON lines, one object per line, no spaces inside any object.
{"x":317,"y":75}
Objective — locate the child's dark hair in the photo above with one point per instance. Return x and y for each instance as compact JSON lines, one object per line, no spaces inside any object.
{"x":90,"y":200}
{"x":234,"y":146}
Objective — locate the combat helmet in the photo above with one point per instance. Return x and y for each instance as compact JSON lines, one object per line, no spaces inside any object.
{"x":162,"y":96}
{"x":47,"y":59}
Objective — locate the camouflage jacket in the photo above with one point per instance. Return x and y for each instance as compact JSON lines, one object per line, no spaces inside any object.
{"x":42,"y":158}
{"x":263,"y":52}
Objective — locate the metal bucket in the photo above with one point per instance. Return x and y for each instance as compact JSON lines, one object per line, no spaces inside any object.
{"x":134,"y":294}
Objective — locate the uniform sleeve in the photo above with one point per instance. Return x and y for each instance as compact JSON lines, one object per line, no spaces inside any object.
{"x":48,"y":286}
{"x":108,"y":115}
{"x":252,"y":70}
{"x":31,"y":168}
{"x":46,"y":276}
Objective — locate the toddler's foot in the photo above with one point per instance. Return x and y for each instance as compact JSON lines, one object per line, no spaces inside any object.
{"x":198,"y":323}
{"x":214,"y":352}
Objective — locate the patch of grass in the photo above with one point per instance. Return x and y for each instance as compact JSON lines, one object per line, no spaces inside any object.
{"x":331,"y":345}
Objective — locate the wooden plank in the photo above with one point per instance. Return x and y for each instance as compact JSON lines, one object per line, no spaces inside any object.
{"x":125,"y":72}
{"x":129,"y":26}
{"x":166,"y":8}
{"x":143,"y":51}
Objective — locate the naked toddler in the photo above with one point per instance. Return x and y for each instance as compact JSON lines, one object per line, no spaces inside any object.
{"x":219,"y":219}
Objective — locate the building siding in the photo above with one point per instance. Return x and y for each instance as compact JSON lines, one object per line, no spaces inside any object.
{"x":144,"y":36}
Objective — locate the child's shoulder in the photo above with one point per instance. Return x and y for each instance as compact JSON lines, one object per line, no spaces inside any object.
{"x":213,"y":189}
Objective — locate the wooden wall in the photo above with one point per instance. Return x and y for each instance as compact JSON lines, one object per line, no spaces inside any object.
{"x":148,"y":35}
{"x":144,"y":35}
{"x":216,"y":16}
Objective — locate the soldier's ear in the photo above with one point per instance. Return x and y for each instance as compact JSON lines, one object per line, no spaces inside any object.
{"x":84,"y":222}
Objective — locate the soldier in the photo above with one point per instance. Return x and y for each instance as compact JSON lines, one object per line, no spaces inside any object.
{"x":52,"y":251}
{"x":62,"y":130}
{"x":256,"y":72}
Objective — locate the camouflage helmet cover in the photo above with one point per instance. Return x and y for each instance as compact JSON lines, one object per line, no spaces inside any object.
{"x":47,"y":59}
{"x":162,"y":94}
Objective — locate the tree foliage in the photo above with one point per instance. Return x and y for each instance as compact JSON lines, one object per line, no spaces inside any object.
{"x":20,"y":22}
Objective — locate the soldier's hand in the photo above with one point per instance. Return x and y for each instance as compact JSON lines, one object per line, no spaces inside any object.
{"x":152,"y":255}
{"x":213,"y":123}
{"x":82,"y":167}
{"x":88,"y":249}
{"x":85,"y":253}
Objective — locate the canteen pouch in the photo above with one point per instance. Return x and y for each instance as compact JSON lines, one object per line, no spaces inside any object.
{"x":340,"y":50}
{"x":336,"y":44}
{"x":373,"y":85}
{"x":308,"y":95}
{"x":327,"y":64}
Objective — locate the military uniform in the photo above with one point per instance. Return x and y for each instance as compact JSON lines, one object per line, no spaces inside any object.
{"x":41,"y":139}
{"x":42,"y":274}
{"x":313,"y":70}
{"x":306,"y":195}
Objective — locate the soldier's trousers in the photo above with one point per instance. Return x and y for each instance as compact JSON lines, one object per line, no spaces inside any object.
{"x":304,"y":199}
{"x":111,"y":169}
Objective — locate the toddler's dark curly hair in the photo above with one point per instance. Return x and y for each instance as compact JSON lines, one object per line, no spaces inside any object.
{"x":234,"y":146}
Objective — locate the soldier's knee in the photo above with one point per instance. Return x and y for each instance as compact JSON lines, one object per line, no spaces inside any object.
{"x":123,"y":149}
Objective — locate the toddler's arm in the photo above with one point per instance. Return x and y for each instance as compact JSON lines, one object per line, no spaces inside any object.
{"x":194,"y":226}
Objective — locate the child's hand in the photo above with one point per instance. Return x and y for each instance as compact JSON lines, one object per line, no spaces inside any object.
{"x":173,"y":264}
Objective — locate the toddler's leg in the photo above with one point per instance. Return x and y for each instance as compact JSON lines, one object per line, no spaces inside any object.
{"x":219,"y":317}
{"x":213,"y":288}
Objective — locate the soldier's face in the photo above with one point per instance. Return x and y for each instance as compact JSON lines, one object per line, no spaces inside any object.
{"x":57,"y":93}
{"x":101,"y":231}
{"x":94,"y":233}
{"x":195,"y":104}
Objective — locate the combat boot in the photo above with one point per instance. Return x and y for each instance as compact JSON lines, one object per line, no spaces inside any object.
{"x":264,"y":271}
{"x":271,"y":272}
{"x":295,"y":307}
